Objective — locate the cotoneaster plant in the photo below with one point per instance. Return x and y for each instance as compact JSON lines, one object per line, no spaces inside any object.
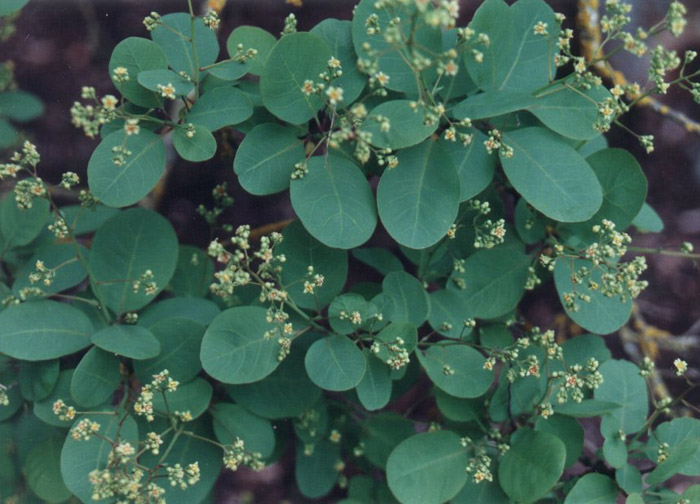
{"x":137,"y":369}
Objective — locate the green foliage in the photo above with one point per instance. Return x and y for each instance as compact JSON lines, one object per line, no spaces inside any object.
{"x":440,"y":178}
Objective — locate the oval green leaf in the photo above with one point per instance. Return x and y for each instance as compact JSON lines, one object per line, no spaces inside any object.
{"x":406,"y":127}
{"x":42,"y":330}
{"x":456,"y":369}
{"x":295,"y":58}
{"x":125,"y":184}
{"x":303,"y":250}
{"x":623,"y":385}
{"x":418,"y":200}
{"x":234,"y":347}
{"x":265,"y":159}
{"x":418,"y":463}
{"x":551,"y":175}
{"x":335,"y":202}
{"x":593,"y":489}
{"x":335,"y":363}
{"x":374,"y":390}
{"x":495,"y":281}
{"x":180,"y":340}
{"x":131,"y":341}
{"x":526,"y":478}
{"x":406,"y":298}
{"x":475,"y":167}
{"x":123,"y":249}
{"x":569,"y":111}
{"x":42,"y":469}
{"x":602,"y":315}
{"x":201,"y":146}
{"x":251,"y":37}
{"x":223,"y":106}
{"x":95,"y":378}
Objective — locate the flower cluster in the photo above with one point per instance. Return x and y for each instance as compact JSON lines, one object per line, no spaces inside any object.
{"x":222,"y":201}
{"x":145,"y":283}
{"x":42,"y":274}
{"x":64,"y":412}
{"x":262,"y":268}
{"x":394,"y":353}
{"x":183,"y":476}
{"x":479,"y":466}
{"x":153,"y":21}
{"x":236,"y":455}
{"x":143,"y":406}
{"x":84,"y":429}
{"x":92,"y":116}
{"x":675,"y":18}
{"x":614,"y":279}
{"x":487,"y":233}
{"x":244,"y":55}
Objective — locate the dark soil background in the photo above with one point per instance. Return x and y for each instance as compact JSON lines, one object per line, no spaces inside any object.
{"x":61,"y":45}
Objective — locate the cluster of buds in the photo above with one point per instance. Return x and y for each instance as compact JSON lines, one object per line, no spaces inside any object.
{"x":42,"y":274}
{"x":118,"y":480}
{"x":479,"y":466}
{"x":495,"y":143}
{"x":222,"y":201}
{"x":309,"y":422}
{"x":488,"y":233}
{"x":153,"y":442}
{"x":244,"y":55}
{"x":532,"y":279}
{"x":235,"y":455}
{"x":64,"y":412}
{"x":573,"y":382}
{"x":301,"y":169}
{"x":662,"y":62}
{"x":92,"y":116}
{"x":675,"y":18}
{"x":59,"y":227}
{"x":394,"y":353}
{"x":145,"y":283}
{"x":69,"y":179}
{"x":212,"y":20}
{"x":26,"y":159}
{"x":607,"y":111}
{"x":152,"y":21}
{"x":27,"y":190}
{"x":617,"y":279}
{"x":646,"y":367}
{"x":161,"y":383}
{"x":183,"y":476}
{"x":290,"y":25}
{"x":120,"y":75}
{"x":121,"y":153}
{"x":313,"y":281}
{"x":261,"y":267}
{"x":355,"y":317}
{"x":616,"y":17}
{"x":4,"y":397}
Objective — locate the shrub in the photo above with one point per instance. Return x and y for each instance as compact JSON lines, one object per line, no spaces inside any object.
{"x":153,"y":364}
